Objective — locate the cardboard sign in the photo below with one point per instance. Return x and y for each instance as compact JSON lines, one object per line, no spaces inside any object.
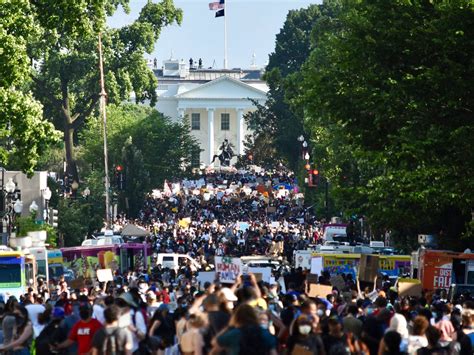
{"x":104,"y":275}
{"x":338,"y":282}
{"x":228,"y":269}
{"x":410,"y":288}
{"x":317,"y":265}
{"x":78,"y":283}
{"x":368,"y":267}
{"x":316,"y":290}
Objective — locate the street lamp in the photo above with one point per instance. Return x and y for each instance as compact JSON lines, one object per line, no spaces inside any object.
{"x":18,"y":206}
{"x":86,"y":193}
{"x":47,"y":196}
{"x":33,"y":207}
{"x":306,"y":156}
{"x":305,"y":144}
{"x":10,"y":186}
{"x":301,"y":138}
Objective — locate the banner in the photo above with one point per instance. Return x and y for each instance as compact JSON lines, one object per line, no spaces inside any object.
{"x":228,"y":269}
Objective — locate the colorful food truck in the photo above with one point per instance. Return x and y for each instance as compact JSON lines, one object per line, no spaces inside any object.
{"x":85,"y":260}
{"x":17,"y":273}
{"x":390,"y":265}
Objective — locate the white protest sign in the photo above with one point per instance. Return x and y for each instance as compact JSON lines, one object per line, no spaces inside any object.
{"x":275,"y":224}
{"x":104,"y":275}
{"x":228,"y":269}
{"x":206,"y":276}
{"x":317,"y":265}
{"x":266,"y":272}
{"x":243,"y":226}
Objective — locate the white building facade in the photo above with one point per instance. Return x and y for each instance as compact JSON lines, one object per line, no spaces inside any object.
{"x":214,"y":103}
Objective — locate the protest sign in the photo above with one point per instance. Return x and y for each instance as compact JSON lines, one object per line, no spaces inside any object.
{"x":338,"y":282}
{"x":368,"y":267}
{"x":265,"y":272}
{"x":104,"y":275}
{"x":184,"y":222}
{"x":243,"y":226}
{"x":206,"y":276}
{"x":409,"y":287}
{"x":271,"y":209}
{"x":275,"y":224}
{"x":78,"y":283}
{"x":228,"y":269}
{"x":317,"y":265}
{"x":316,"y":290}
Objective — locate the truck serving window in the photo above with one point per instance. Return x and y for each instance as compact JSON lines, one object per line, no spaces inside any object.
{"x":10,"y":273}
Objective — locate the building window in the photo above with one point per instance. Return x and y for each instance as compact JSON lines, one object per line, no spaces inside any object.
{"x":195,"y":158}
{"x":195,"y":121}
{"x":225,"y":121}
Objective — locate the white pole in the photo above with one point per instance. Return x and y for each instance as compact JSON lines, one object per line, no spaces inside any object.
{"x":225,"y":34}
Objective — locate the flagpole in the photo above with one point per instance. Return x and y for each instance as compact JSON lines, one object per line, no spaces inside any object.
{"x":225,"y":34}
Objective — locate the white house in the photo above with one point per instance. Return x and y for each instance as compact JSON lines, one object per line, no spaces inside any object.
{"x":213,"y":101}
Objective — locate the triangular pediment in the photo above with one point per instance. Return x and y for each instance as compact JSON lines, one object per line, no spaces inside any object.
{"x":223,"y":87}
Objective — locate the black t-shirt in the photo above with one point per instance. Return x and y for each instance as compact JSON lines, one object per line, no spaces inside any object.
{"x":218,"y":320}
{"x":101,"y":338}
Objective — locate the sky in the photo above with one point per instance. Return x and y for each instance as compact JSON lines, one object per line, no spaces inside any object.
{"x":251,"y":29}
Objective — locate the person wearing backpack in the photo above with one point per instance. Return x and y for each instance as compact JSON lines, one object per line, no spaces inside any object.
{"x":112,"y":340}
{"x":245,"y":336}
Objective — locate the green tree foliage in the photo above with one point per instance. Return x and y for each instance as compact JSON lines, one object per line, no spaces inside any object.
{"x":67,"y":79}
{"x":24,"y":135}
{"x":388,"y":96}
{"x":277,"y":122}
{"x":149,"y":147}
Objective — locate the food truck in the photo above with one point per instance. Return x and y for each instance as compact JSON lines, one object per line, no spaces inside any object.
{"x":441,"y":269}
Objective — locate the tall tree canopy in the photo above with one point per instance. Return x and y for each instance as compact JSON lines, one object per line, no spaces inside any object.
{"x":67,"y":79}
{"x":388,"y":96}
{"x":24,"y":135}
{"x":148,"y":146}
{"x":277,"y":123}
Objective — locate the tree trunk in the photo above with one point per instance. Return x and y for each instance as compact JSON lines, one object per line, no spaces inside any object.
{"x":71,"y":166}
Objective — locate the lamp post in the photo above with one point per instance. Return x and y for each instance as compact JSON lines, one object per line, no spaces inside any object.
{"x":47,"y":196}
{"x":10,"y":206}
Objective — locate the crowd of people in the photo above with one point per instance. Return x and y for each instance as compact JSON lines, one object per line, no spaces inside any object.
{"x":168,"y":312}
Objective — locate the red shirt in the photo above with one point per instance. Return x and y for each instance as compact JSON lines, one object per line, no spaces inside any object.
{"x":82,"y":333}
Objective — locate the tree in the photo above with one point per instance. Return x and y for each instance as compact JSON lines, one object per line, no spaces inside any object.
{"x":148,"y":146}
{"x":388,"y":91}
{"x":24,"y":135}
{"x":67,"y":80}
{"x":277,"y":119}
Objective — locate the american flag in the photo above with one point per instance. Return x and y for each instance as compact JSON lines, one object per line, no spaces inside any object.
{"x":216,"y":5}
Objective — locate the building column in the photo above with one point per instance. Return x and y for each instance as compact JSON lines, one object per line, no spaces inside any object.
{"x":181,"y":112}
{"x":210,"y":132}
{"x":240,"y":131}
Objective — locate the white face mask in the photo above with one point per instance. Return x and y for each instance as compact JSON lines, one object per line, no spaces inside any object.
{"x":320,"y":312}
{"x":304,"y":329}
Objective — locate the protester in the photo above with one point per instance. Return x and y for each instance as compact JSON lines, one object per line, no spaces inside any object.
{"x":112,"y":339}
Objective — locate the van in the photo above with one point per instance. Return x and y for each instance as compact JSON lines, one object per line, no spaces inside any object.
{"x":175,"y":261}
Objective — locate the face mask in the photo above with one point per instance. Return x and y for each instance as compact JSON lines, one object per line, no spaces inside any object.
{"x":370,"y":311}
{"x":320,"y":312}
{"x":264,"y":325}
{"x":304,"y":329}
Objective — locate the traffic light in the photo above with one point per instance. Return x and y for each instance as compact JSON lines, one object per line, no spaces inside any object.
{"x":53,"y":217}
{"x":119,"y":177}
{"x":313,"y":177}
{"x":315,"y":173}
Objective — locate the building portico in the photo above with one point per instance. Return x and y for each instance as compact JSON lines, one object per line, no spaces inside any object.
{"x":215,"y":111}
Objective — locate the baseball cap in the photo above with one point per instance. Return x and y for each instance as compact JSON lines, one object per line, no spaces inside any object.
{"x":58,"y":313}
{"x":228,"y":294}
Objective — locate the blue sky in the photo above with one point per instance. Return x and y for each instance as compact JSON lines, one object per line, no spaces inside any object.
{"x":251,"y":28}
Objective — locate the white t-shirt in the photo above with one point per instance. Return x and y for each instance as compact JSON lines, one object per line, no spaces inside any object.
{"x":98,"y":313}
{"x":33,"y":311}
